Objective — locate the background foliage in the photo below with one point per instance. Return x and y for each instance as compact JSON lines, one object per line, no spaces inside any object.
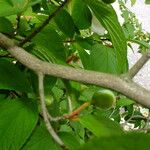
{"x":69,"y":40}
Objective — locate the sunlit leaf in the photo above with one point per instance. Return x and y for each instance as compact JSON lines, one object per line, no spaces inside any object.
{"x":107,"y":16}
{"x":100,"y":126}
{"x":11,"y":7}
{"x":102,"y":58}
{"x":81,"y":14}
{"x":124,"y":102}
{"x":65,"y":23}
{"x":49,"y":40}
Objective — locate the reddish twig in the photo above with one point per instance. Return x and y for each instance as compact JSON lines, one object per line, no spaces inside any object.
{"x":76,"y":112}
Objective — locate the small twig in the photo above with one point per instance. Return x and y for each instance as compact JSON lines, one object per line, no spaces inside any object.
{"x":142,"y":130}
{"x":138,"y":117}
{"x":18,"y":22}
{"x":114,"y":109}
{"x":55,"y":119}
{"x":72,"y":58}
{"x":146,"y":127}
{"x":75,"y":113}
{"x":70,"y":116}
{"x":68,"y":94}
{"x":128,"y":120}
{"x":139,"y":64}
{"x":70,"y":104}
{"x":69,"y":41}
{"x":44,"y":112}
{"x":49,"y":116}
{"x":40,"y":27}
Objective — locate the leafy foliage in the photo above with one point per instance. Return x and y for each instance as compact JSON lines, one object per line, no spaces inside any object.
{"x":147,"y":2}
{"x":128,"y":141}
{"x":18,"y":119}
{"x":12,"y":78}
{"x":68,"y":39}
{"x":109,"y":20}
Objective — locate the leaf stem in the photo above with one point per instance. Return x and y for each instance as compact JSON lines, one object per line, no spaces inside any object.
{"x":44,"y":112}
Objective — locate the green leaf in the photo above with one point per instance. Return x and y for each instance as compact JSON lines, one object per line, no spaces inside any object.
{"x":24,"y":27}
{"x":12,"y":78}
{"x":2,"y":95}
{"x":147,"y":1}
{"x":108,"y":18}
{"x":5,"y":25}
{"x":81,"y":14}
{"x":18,"y":117}
{"x":49,"y":40}
{"x":87,"y":93}
{"x":33,"y":2}
{"x":70,"y":140}
{"x":41,"y":140}
{"x":133,"y":2}
{"x":129,"y":31}
{"x":6,"y":8}
{"x":124,"y":102}
{"x":20,"y":5}
{"x":12,"y":7}
{"x":114,"y":126}
{"x":100,"y":58}
{"x":84,"y":55}
{"x":65,"y":23}
{"x":103,"y":59}
{"x":99,"y":126}
{"x":142,"y":43}
{"x":132,"y":141}
{"x":78,"y":129}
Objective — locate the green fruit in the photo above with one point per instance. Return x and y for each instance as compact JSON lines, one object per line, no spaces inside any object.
{"x":108,"y":1}
{"x":104,"y":99}
{"x":48,"y":100}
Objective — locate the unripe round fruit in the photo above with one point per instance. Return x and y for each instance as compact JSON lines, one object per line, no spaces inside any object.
{"x":108,"y":1}
{"x":104,"y":99}
{"x":48,"y":100}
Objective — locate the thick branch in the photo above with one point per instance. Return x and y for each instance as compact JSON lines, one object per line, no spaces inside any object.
{"x":44,"y":112}
{"x":40,"y":27}
{"x":119,"y":84}
{"x":139,"y":64}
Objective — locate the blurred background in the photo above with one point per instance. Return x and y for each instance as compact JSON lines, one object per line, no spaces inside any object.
{"x":142,"y":11}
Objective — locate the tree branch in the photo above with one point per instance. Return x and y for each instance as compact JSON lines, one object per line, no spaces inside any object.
{"x":117,"y":83}
{"x":40,"y":27}
{"x":44,"y":112}
{"x":139,"y":64}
